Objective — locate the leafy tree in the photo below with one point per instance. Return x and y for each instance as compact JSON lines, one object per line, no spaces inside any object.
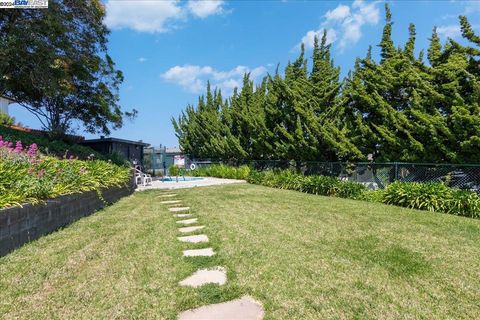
{"x":54,"y":63}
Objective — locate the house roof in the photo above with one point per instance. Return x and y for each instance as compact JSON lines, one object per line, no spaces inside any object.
{"x":173,"y":150}
{"x":138,"y":143}
{"x":7,"y":98}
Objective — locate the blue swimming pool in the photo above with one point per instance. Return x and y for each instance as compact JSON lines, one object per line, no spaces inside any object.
{"x":180,"y":179}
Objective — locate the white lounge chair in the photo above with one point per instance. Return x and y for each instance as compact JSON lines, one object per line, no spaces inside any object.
{"x":142,"y":178}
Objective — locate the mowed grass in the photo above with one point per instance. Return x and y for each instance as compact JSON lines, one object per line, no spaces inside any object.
{"x":302,"y":256}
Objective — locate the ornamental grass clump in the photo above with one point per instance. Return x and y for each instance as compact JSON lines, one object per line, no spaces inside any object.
{"x":432,"y":196}
{"x":26,"y":176}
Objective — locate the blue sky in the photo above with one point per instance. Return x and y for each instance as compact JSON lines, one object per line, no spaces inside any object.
{"x":169,"y":49}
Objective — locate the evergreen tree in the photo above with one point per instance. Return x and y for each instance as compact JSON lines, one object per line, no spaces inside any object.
{"x":398,"y":109}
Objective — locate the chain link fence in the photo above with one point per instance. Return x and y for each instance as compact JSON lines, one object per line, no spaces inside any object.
{"x":374,"y":175}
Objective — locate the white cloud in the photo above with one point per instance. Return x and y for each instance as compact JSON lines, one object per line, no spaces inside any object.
{"x":143,"y":16}
{"x":451,"y":31}
{"x":156,"y":16}
{"x":339,"y":13}
{"x":194,"y":78}
{"x":142,"y":59}
{"x":205,"y":8}
{"x":345,"y":23}
{"x":309,"y":38}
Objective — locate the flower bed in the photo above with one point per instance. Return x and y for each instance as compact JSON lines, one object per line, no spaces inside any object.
{"x":26,"y":176}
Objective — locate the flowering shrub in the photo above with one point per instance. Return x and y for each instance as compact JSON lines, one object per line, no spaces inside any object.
{"x":56,"y":147}
{"x":28,"y":176}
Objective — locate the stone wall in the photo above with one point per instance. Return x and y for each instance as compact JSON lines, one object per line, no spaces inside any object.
{"x":19,"y":225}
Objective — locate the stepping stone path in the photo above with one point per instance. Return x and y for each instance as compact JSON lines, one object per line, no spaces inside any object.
{"x":244,"y":308}
{"x":216,"y":275}
{"x":167,"y":195}
{"x":178,"y":209}
{"x":190,"y":229}
{"x":188,"y":221}
{"x":207,"y":252}
{"x":183,"y":215}
{"x":170,"y":201}
{"x":194,"y":239}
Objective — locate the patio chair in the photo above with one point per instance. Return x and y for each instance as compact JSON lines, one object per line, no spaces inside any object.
{"x":142,"y":178}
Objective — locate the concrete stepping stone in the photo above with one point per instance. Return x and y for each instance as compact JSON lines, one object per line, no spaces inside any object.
{"x":178,"y":209}
{"x":207,"y":252}
{"x":170,"y":201}
{"x":183,"y":215}
{"x":244,"y":308}
{"x":188,"y":221}
{"x":216,"y":275}
{"x":190,"y":229}
{"x":194,"y":239}
{"x":167,"y":195}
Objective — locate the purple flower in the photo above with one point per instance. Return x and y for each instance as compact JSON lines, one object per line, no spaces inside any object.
{"x":32,"y":150}
{"x":18,"y":147}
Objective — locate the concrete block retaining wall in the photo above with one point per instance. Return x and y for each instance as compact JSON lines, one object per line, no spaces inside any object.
{"x":19,"y":225}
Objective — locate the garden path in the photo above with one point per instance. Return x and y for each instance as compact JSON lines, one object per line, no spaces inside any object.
{"x":244,"y":308}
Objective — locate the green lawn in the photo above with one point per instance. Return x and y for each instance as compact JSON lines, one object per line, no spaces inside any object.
{"x":302,"y":256}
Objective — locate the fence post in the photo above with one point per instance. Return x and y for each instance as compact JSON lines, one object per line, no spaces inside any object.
{"x":396,"y":171}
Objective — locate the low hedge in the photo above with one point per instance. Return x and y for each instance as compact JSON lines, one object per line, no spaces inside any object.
{"x":28,"y":176}
{"x":422,"y":196}
{"x":222,"y":171}
{"x":319,"y":185}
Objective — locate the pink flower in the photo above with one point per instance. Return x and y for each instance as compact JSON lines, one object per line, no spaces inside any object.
{"x":32,"y":150}
{"x":18,"y":147}
{"x":41,"y":173}
{"x":82,"y":170}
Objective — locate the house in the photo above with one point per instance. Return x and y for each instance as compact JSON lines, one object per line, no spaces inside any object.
{"x":4,"y":103}
{"x":130,"y":150}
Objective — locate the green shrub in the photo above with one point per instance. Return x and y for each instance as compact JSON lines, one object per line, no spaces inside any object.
{"x":423,"y":196}
{"x":433,"y":197}
{"x":464,"y":203}
{"x":27,"y":176}
{"x":320,"y":185}
{"x":221,"y":171}
{"x":352,"y":190}
{"x":6,"y":120}
{"x":372,"y":195}
{"x":173,"y":171}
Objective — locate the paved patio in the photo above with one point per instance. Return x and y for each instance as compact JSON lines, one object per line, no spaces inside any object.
{"x":156,"y":184}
